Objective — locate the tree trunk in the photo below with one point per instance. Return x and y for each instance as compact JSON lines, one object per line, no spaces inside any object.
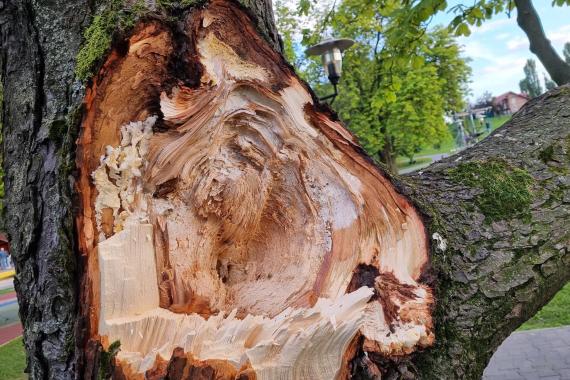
{"x":529,"y":21}
{"x":387,"y":155}
{"x":217,"y":222}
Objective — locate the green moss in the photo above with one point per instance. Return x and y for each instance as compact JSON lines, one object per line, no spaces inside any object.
{"x":505,"y":189}
{"x":98,"y":37}
{"x":175,"y":3}
{"x":546,"y":155}
{"x":115,"y":18}
{"x":107,"y":357}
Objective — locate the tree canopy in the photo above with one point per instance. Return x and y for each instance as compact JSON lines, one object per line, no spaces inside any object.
{"x":531,"y":83}
{"x":398,"y":83}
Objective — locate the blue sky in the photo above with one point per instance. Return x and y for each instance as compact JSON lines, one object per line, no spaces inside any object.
{"x":499,"y":48}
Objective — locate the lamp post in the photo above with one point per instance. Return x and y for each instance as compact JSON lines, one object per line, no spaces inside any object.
{"x":330,"y":51}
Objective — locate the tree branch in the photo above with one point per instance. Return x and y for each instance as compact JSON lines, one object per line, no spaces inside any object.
{"x":529,"y":21}
{"x":506,"y":255}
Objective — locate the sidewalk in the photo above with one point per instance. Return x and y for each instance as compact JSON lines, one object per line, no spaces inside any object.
{"x":535,"y":354}
{"x":10,"y":326}
{"x":9,"y":332}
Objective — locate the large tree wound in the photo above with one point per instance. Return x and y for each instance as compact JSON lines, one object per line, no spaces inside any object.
{"x":229,"y":225}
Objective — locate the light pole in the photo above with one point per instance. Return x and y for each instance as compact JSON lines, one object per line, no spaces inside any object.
{"x":330,"y":51}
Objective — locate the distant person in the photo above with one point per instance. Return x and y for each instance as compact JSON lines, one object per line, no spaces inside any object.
{"x":488,"y":126}
{"x":4,"y":259}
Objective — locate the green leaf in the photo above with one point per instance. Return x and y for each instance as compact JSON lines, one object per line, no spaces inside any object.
{"x":303,"y":7}
{"x":463,"y":30}
{"x":476,"y":12}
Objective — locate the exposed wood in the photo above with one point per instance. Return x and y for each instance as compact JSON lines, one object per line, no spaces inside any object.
{"x":224,"y":203}
{"x":489,"y":276}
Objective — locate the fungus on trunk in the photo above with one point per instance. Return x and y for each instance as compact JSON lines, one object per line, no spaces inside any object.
{"x":230,"y":225}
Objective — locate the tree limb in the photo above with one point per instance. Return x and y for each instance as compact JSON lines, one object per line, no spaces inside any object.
{"x":529,"y":21}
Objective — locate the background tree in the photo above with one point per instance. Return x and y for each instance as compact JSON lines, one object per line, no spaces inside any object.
{"x":485,"y":100}
{"x":566,"y":52}
{"x":418,"y":14}
{"x":496,"y":218}
{"x":527,"y":19}
{"x":530,"y":85}
{"x":398,"y":84}
{"x":548,"y":83}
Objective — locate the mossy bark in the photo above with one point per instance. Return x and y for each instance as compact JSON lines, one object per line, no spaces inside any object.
{"x":502,"y":264}
{"x":495,"y":272}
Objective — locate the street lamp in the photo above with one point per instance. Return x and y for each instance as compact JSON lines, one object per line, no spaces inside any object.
{"x":330,"y":51}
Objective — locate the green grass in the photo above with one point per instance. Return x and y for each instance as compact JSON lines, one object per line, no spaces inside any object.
{"x":555,"y":313}
{"x":6,"y":291}
{"x":12,"y":361}
{"x":404,"y":162}
{"x":445,"y":147}
{"x":496,"y":122}
{"x":449,"y":145}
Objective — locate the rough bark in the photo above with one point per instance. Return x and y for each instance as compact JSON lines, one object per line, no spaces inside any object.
{"x":495,"y":259}
{"x":529,"y":21}
{"x":39,"y":44}
{"x":500,"y":268}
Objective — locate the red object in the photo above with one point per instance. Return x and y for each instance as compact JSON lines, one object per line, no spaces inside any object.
{"x":4,"y":242}
{"x":7,"y":333}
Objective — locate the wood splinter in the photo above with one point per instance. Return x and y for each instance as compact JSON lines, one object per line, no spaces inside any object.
{"x":232,"y":228}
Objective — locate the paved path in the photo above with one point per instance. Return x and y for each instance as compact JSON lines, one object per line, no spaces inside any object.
{"x":532,"y":355}
{"x":10,"y":326}
{"x":7,"y":333}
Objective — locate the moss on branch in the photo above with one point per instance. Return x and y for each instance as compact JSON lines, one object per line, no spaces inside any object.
{"x":505,"y":190}
{"x":117,"y":18}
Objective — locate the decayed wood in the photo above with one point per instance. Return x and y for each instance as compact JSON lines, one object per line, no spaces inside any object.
{"x":225,"y":214}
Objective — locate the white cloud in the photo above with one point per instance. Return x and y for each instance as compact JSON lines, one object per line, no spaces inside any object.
{"x":503,"y":36}
{"x":517,"y":43}
{"x":493,"y":25}
{"x":475,"y":49}
{"x":506,"y":65}
{"x":560,"y":35}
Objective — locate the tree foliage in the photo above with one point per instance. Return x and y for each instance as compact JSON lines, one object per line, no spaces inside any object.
{"x":566,"y":52}
{"x":531,"y":83}
{"x":485,"y":100}
{"x":399,"y":79}
{"x":548,"y":83}
{"x":474,"y":13}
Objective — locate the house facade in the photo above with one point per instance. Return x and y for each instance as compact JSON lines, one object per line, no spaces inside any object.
{"x":509,"y":103}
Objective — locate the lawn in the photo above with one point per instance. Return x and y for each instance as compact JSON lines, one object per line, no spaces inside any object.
{"x":555,"y":313}
{"x":404,"y":162}
{"x":12,"y":361}
{"x":449,"y":145}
